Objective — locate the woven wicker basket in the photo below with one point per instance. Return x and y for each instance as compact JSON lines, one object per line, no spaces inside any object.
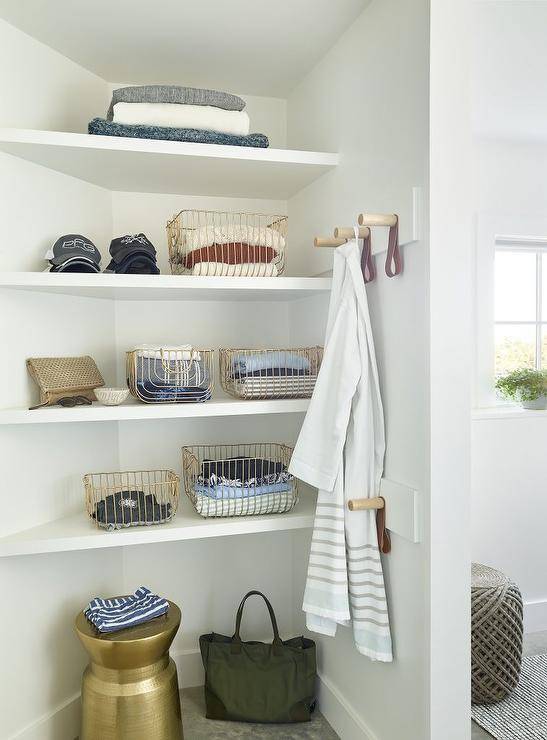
{"x":224,"y":243}
{"x":212,"y":484}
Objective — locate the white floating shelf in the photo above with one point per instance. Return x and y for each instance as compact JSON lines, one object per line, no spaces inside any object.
{"x":78,"y":532}
{"x":167,"y":287}
{"x":130,"y":411}
{"x":149,"y":166}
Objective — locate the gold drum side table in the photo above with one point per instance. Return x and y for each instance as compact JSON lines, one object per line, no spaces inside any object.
{"x":130,"y":688}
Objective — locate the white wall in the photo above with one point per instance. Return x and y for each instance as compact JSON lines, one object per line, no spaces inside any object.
{"x":42,"y":89}
{"x":510,"y":176}
{"x":450,"y":343}
{"x":510,"y":151}
{"x":368,"y":99}
{"x":509,"y":506}
{"x":509,"y":462}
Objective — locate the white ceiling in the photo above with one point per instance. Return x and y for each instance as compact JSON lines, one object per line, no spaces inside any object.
{"x":255,"y":47}
{"x":509,"y":70}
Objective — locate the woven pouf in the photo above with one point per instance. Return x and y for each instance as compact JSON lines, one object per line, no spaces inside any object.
{"x":496,"y":635}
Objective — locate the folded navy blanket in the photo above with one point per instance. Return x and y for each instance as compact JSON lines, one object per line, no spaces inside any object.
{"x":174,"y":94}
{"x":130,"y":509}
{"x":237,"y":471}
{"x":111,"y":615}
{"x":101,"y":127}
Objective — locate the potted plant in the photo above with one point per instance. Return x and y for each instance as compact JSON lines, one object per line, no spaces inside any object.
{"x":525,"y":386}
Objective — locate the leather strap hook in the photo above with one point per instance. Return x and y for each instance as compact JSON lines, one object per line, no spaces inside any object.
{"x":384,"y":540}
{"x":368,"y":268}
{"x":394,"y":260}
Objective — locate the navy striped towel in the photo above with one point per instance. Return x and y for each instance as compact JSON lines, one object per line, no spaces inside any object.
{"x":111,"y":615}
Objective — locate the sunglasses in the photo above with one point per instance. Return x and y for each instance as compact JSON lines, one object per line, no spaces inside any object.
{"x":70,"y":401}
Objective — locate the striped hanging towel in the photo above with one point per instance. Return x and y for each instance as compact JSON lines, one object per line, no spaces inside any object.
{"x":111,"y":615}
{"x":340,"y":450}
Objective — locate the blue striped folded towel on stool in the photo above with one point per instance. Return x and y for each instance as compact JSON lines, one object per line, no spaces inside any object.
{"x":111,"y":615}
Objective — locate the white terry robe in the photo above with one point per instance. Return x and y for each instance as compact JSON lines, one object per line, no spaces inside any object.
{"x":340,"y":450}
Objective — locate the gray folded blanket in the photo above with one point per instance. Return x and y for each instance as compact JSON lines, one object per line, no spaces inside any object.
{"x":174,"y":94}
{"x":108,"y":128}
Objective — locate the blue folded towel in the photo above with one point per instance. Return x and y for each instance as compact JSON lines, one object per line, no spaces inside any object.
{"x":111,"y":615}
{"x":231,"y":492}
{"x":101,"y":127}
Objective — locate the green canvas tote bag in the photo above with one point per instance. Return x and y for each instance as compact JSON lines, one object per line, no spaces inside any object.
{"x":256,"y":681}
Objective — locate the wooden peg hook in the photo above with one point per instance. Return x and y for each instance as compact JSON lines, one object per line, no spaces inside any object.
{"x":378,"y":504}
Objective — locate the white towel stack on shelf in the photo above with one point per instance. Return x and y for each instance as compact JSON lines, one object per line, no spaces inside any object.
{"x":172,"y":115}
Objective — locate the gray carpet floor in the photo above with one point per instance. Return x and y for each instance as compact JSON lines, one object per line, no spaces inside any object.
{"x":196,"y":727}
{"x":534,"y":644}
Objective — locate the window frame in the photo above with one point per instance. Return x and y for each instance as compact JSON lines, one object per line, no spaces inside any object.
{"x":497,"y":233}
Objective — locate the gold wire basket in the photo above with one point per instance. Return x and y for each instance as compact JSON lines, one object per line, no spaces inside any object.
{"x":239,"y":480}
{"x":270,"y":373}
{"x":170,"y":374}
{"x":131,"y":499}
{"x":225,"y":243}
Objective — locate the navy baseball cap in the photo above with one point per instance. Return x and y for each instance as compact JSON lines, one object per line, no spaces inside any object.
{"x":123,"y":246}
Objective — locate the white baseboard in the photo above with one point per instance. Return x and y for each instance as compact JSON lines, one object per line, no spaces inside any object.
{"x":189,"y":667}
{"x":341,"y":716}
{"x":535,"y":616}
{"x":63,"y":722}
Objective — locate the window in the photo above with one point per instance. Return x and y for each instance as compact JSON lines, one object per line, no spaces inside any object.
{"x":520,"y":305}
{"x":510,"y":299}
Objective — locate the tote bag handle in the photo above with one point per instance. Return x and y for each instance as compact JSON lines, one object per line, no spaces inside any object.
{"x":236,"y":638}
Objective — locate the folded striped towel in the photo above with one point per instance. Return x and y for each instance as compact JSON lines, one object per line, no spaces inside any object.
{"x":111,"y":615}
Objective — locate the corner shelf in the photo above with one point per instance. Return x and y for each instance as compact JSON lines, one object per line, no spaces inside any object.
{"x":78,"y":532}
{"x":133,"y":410}
{"x":167,"y":287}
{"x":150,"y":166}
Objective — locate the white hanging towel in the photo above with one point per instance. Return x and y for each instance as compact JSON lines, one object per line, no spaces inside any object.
{"x":340,"y":450}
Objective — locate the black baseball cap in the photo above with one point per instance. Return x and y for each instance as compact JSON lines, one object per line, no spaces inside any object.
{"x":123,"y":246}
{"x":76,"y":264}
{"x":138,"y":263}
{"x":72,"y":246}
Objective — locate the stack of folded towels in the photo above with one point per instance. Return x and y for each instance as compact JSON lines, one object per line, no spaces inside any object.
{"x":243,"y":485}
{"x":112,"y":615}
{"x":178,"y":114}
{"x":237,"y":250}
{"x":272,"y":374}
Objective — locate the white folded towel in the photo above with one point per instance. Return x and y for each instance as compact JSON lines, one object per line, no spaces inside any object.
{"x":246,"y":269}
{"x":173,"y":115}
{"x":255,"y":236}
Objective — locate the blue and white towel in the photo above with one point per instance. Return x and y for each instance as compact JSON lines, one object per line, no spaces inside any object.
{"x":111,"y":615}
{"x":223,"y":491}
